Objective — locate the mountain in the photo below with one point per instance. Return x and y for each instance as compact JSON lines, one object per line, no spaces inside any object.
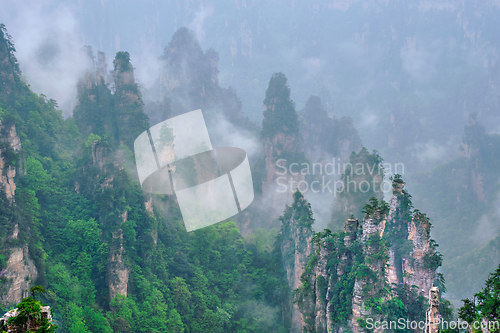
{"x":380,"y":269}
{"x":114,"y":259}
{"x":74,"y":218}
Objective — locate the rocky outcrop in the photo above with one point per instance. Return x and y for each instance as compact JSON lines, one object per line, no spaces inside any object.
{"x":20,"y":272}
{"x":352,"y":274}
{"x":432,"y":315}
{"x":296,"y":246}
{"x":97,"y":179}
{"x":118,"y":272}
{"x":45,"y":313}
{"x":10,"y":148}
{"x":421,"y":268}
{"x":281,"y":146}
{"x":371,"y":284}
{"x":362,"y":178}
{"x":413,"y":259}
{"x":278,"y":184}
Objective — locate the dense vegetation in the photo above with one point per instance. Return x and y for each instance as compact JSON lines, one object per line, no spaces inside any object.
{"x":484,"y":307}
{"x":280,"y":114}
{"x":82,"y":214}
{"x":75,"y":185}
{"x":462,"y":197}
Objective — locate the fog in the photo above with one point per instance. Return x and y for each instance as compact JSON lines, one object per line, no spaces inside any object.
{"x":409,"y":74}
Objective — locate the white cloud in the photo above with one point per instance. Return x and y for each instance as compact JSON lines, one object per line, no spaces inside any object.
{"x":418,"y":61}
{"x":197,"y":24}
{"x":430,"y":153}
{"x":48,"y":48}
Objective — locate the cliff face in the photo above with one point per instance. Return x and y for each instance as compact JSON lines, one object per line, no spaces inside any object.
{"x":20,"y":271}
{"x":97,"y":179}
{"x":374,"y":253}
{"x":282,"y":146}
{"x":420,"y":268}
{"x":296,"y":246}
{"x":11,"y":147}
{"x":45,"y":313}
{"x":358,"y":273}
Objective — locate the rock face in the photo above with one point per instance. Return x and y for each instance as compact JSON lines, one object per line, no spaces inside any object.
{"x":97,"y":179}
{"x":20,"y":270}
{"x":281,"y":146}
{"x":351,"y":274}
{"x":118,"y":272}
{"x":368,"y":286}
{"x":362,"y":179}
{"x":11,"y":146}
{"x":432,"y":315}
{"x":418,"y":271}
{"x":279,"y":185}
{"x":296,"y":246}
{"x":414,"y":261}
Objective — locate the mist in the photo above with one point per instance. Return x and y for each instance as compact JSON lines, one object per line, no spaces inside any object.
{"x":420,"y":81}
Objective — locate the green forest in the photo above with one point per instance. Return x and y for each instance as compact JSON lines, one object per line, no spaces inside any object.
{"x":208,"y":280}
{"x":84,"y":249}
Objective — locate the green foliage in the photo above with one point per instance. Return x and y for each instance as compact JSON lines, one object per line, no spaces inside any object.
{"x":280,"y":114}
{"x":30,"y":317}
{"x":433,"y":259}
{"x":122,"y":62}
{"x":70,"y":208}
{"x":37,"y":289}
{"x":9,"y":156}
{"x":374,"y":206}
{"x":485,"y":304}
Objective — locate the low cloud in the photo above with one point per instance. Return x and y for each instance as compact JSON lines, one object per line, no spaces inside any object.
{"x":431,"y":153}
{"x":224,"y":134}
{"x":48,"y":48}
{"x":419,"y":61}
{"x":199,"y":19}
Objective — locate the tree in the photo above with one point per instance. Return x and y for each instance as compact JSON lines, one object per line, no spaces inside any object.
{"x":280,"y":114}
{"x":37,"y":289}
{"x":486,"y":304}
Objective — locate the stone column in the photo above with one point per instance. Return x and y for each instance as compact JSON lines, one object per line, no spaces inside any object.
{"x":432,"y":316}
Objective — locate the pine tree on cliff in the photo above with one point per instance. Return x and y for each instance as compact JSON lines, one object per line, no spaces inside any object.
{"x":280,"y":114}
{"x":9,"y":68}
{"x":129,"y":108}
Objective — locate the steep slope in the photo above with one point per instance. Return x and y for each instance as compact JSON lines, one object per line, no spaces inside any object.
{"x":379,"y":269}
{"x":462,"y":197}
{"x":113,"y":258}
{"x":296,"y":244}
